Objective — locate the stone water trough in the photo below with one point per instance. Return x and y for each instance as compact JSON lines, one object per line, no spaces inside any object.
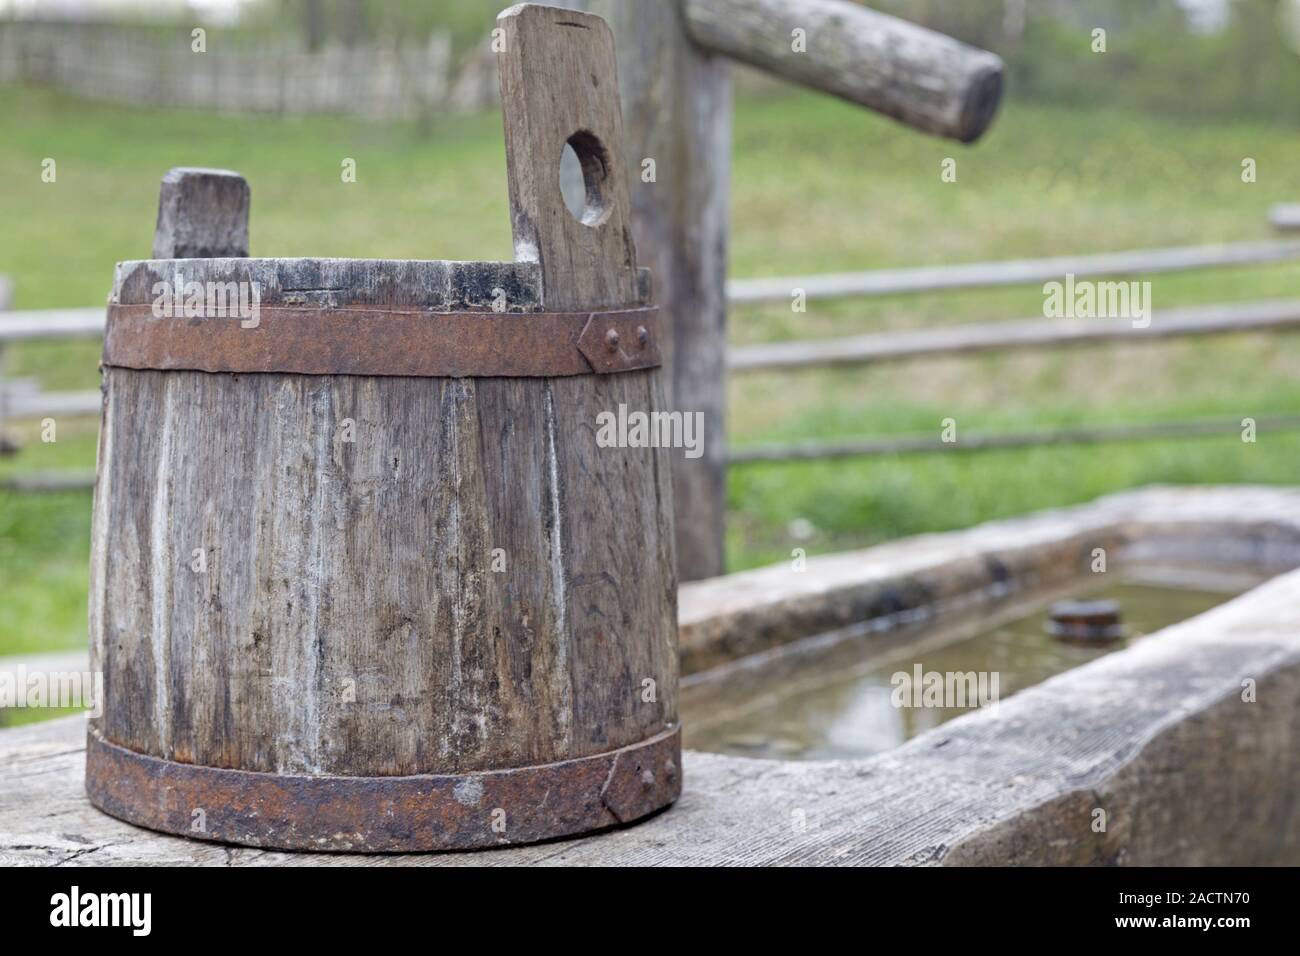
{"x":1180,"y":748}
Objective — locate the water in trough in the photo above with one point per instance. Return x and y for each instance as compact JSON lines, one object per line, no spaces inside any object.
{"x":844,"y":702}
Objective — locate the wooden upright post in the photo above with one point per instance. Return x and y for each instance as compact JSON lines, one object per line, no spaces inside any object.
{"x":677,"y":128}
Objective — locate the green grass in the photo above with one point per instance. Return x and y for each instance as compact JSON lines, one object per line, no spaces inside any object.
{"x":44,"y":548}
{"x":818,"y":186}
{"x":440,"y":196}
{"x":1046,"y":181}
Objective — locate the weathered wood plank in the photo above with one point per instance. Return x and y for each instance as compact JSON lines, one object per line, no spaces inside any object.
{"x":1234,"y":317}
{"x":202,"y":214}
{"x":620,"y":605}
{"x":975,"y":275}
{"x":922,"y":78}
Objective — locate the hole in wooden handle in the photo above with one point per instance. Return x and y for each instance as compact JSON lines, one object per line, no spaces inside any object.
{"x":584,"y":178}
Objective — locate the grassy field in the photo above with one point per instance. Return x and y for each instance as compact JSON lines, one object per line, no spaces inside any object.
{"x":818,"y":186}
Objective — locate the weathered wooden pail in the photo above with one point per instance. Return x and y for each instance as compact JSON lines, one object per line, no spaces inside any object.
{"x":362,"y":577}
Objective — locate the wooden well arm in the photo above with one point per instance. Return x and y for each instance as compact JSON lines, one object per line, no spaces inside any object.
{"x":924,"y":79}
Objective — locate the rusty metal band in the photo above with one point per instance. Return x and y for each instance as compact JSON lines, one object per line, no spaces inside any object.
{"x":385,"y":814}
{"x":357,"y":340}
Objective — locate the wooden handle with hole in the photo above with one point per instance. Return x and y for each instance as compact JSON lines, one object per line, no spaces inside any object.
{"x":559,"y":85}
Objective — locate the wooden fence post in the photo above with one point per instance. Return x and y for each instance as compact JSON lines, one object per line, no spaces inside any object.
{"x":6,"y":446}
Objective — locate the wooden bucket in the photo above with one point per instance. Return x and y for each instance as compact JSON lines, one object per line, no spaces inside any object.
{"x":362,"y":577}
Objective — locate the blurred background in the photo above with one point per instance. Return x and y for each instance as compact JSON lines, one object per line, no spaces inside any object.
{"x":1140,"y":147}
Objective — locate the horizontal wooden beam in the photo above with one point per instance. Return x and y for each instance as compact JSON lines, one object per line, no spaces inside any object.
{"x":1285,"y":217}
{"x":49,"y":481}
{"x":1026,"y":333}
{"x":914,"y":445}
{"x":51,"y":324}
{"x":973,"y":275}
{"x":53,"y":404}
{"x":921,"y":78}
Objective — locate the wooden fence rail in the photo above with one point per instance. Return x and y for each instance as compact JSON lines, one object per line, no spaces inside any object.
{"x":51,"y":324}
{"x":52,"y":404}
{"x":49,"y":481}
{"x":24,"y":400}
{"x":975,"y":275}
{"x":911,"y":445}
{"x":1025,"y":333}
